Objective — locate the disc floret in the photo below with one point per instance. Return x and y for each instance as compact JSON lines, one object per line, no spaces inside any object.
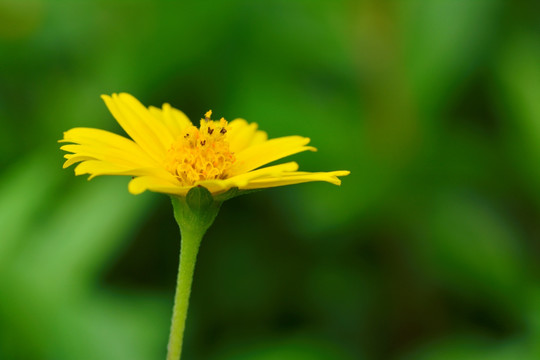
{"x":201,"y":153}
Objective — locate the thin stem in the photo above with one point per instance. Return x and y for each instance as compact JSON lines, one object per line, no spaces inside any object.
{"x":194,"y":215}
{"x":188,"y":258}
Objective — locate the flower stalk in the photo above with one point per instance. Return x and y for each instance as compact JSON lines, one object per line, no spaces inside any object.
{"x":194,"y":215}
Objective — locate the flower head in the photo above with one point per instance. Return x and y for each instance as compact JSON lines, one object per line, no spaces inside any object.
{"x":168,"y":154}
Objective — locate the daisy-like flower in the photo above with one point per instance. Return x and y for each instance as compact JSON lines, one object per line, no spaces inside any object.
{"x":198,"y":167}
{"x":168,"y":154}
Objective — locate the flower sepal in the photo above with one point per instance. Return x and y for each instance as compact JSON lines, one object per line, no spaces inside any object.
{"x":227,"y":195}
{"x":196,"y":211}
{"x":232,"y":193}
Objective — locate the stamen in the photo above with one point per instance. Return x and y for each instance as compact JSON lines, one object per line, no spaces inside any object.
{"x":201,"y":153}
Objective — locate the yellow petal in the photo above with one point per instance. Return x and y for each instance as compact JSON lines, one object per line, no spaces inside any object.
{"x":259,"y":137}
{"x":103,"y":145}
{"x":295,"y":178}
{"x":138,"y":110}
{"x":242,"y":135}
{"x":156,"y":184}
{"x":151,"y":134}
{"x":97,"y":137}
{"x":96,"y":168}
{"x":218,"y":186}
{"x":275,"y":170}
{"x":175,"y":120}
{"x":74,"y":158}
{"x":111,"y":155}
{"x":263,"y":153}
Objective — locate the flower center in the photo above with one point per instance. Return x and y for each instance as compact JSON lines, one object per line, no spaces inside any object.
{"x":201,"y":153}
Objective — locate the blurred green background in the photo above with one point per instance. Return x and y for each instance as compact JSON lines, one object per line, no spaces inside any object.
{"x":429,"y":249}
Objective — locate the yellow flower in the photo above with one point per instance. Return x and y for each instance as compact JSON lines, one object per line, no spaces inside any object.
{"x":170,"y":155}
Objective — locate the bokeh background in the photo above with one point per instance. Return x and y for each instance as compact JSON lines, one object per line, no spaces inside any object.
{"x":429,"y":249}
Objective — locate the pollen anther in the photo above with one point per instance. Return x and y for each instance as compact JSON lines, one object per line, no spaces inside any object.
{"x":201,"y":153}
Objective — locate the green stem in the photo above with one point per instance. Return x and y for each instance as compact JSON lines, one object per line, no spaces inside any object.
{"x":194,"y":215}
{"x":188,"y":257}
